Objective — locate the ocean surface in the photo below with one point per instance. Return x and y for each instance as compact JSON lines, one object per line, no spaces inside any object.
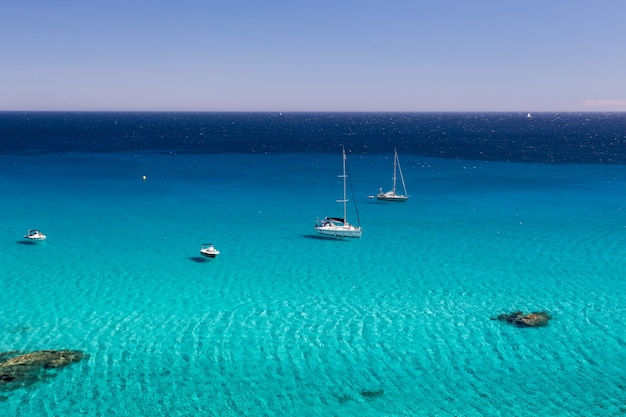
{"x":506,"y":213}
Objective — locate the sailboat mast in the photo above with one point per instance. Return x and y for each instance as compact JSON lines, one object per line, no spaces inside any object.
{"x":395,"y":162}
{"x":345,"y":212}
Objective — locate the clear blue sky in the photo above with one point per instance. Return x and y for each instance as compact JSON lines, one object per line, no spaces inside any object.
{"x":275,"y":55}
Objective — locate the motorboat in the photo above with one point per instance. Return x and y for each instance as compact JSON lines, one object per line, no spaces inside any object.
{"x":209,"y":251}
{"x":34,"y":234}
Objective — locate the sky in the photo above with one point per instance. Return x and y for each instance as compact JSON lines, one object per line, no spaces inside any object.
{"x":292,"y":55}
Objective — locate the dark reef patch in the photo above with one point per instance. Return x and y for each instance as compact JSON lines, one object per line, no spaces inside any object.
{"x":23,"y":369}
{"x":372,"y":393}
{"x":519,"y":319}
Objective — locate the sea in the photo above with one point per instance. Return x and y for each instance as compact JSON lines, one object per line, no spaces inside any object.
{"x":506,"y":213}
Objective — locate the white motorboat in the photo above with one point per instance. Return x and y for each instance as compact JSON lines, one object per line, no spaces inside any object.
{"x":34,"y":234}
{"x":209,"y":250}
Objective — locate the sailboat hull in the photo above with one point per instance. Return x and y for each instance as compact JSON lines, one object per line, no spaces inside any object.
{"x":392,"y":197}
{"x":339,"y":231}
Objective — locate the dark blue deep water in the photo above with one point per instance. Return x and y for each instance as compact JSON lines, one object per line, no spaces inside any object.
{"x":546,"y":137}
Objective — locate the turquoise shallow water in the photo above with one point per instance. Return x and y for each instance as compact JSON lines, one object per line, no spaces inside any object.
{"x":285,"y":323}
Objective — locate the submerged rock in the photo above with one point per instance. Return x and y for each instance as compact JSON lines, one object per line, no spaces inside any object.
{"x":45,"y":358}
{"x":519,"y":319}
{"x":372,"y":393}
{"x":26,"y":369}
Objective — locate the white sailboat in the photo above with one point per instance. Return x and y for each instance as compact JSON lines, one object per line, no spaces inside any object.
{"x":336,"y":226}
{"x":391,"y":194}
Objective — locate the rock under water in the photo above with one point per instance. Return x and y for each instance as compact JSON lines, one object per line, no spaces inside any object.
{"x":519,"y":319}
{"x":372,"y":393}
{"x":19,"y":370}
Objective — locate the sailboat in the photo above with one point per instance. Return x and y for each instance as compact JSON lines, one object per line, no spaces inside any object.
{"x":336,"y":226}
{"x":391,"y":195}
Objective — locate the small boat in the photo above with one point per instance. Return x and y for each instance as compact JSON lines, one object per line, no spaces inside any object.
{"x":209,"y":250}
{"x":391,"y":195}
{"x":34,"y":234}
{"x":339,"y":226}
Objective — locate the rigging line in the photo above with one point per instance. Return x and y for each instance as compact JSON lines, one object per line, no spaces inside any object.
{"x":353,"y":198}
